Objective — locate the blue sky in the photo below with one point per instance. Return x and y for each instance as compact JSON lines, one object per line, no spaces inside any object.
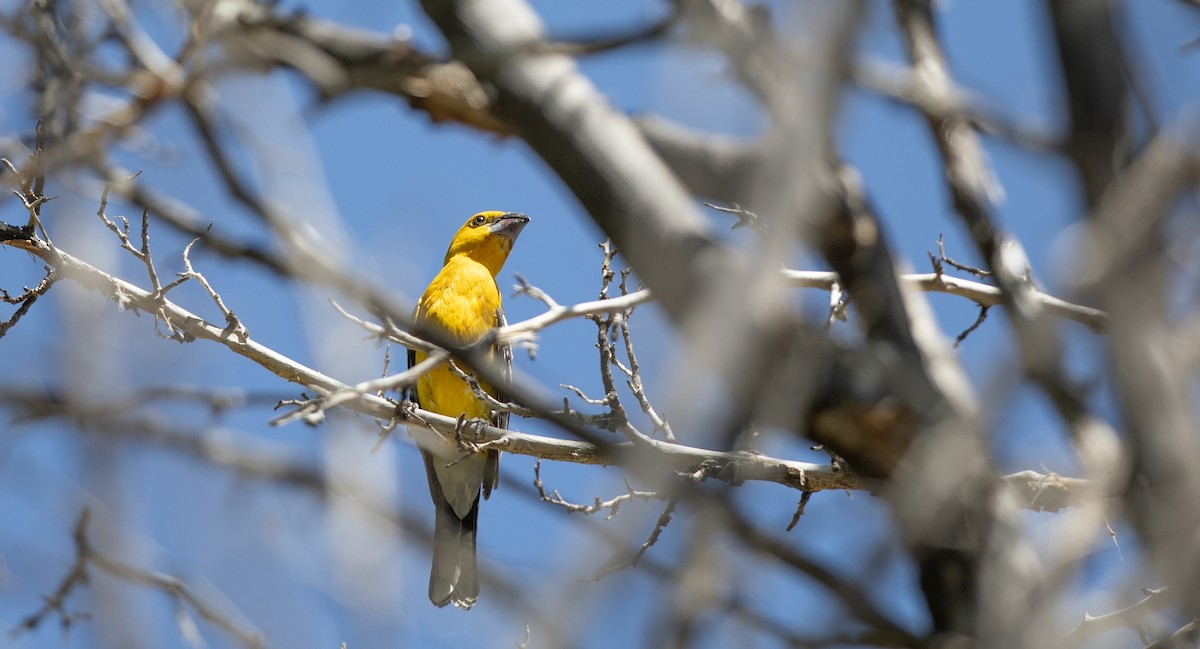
{"x":397,"y":187}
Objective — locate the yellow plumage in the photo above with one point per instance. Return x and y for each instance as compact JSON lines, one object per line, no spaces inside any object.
{"x":462,"y":301}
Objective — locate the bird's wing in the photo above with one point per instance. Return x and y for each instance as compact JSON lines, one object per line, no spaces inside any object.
{"x":505,"y":354}
{"x":491,"y":471}
{"x":410,"y":392}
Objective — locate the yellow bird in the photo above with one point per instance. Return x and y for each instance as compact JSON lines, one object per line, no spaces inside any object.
{"x":462,"y":301}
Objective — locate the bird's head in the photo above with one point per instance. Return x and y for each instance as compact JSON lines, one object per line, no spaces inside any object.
{"x":487,"y":238}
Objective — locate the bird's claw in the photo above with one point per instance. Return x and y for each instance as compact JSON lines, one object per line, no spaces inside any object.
{"x":468,"y":442}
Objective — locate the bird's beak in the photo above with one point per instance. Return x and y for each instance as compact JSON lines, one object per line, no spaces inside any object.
{"x":510,"y":224}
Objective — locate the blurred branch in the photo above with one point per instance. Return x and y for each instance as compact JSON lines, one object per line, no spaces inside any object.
{"x":338,"y":59}
{"x":1132,"y":617}
{"x":1131,"y":273}
{"x":177,"y":589}
{"x":973,"y":188}
{"x":1093,"y":67}
{"x":120,"y":420}
{"x":904,"y":85}
{"x":1051,"y":493}
{"x":1185,"y":637}
{"x":1148,"y":187}
{"x":885,"y":631}
{"x":715,"y":167}
{"x":34,"y":404}
{"x":600,"y":43}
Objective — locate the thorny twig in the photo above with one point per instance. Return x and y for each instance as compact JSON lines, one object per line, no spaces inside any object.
{"x":491,"y":401}
{"x":604,"y":343}
{"x":26,"y":299}
{"x":386,"y":331}
{"x":800,"y":507}
{"x":31,"y":190}
{"x":944,"y":104}
{"x":979,"y":293}
{"x":607,"y":318}
{"x":583,"y":396}
{"x":687,"y":480}
{"x":634,"y":371}
{"x":612,"y":505}
{"x":664,"y":519}
{"x":943,"y":259}
{"x":983,"y":311}
{"x":142,"y":254}
{"x":31,"y":186}
{"x":608,"y":323}
{"x":233,"y":326}
{"x":312,"y":410}
{"x":306,"y":408}
{"x":745,"y":218}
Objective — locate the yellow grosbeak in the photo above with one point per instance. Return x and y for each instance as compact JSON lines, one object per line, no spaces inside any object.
{"x":463,"y":302}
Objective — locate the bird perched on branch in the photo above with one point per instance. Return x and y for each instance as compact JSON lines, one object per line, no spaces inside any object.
{"x":463,"y":302}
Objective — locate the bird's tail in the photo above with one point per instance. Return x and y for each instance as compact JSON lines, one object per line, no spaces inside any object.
{"x":454,"y":578}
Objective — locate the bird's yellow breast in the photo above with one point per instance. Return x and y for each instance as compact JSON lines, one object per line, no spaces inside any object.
{"x":462,"y":301}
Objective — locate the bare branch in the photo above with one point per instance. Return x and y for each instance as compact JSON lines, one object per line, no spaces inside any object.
{"x":1132,"y":617}
{"x":26,"y":299}
{"x":664,"y":519}
{"x":612,"y":505}
{"x":981,"y":294}
{"x":233,"y":326}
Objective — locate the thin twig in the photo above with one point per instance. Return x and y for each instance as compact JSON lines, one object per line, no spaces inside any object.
{"x":233,"y":326}
{"x":978,"y":272}
{"x":612,"y":505}
{"x":664,"y":519}
{"x":745,"y":218}
{"x":634,"y":372}
{"x":26,"y":299}
{"x":983,"y":311}
{"x":800,"y":507}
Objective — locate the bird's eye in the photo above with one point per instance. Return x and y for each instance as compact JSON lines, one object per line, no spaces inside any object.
{"x":479,"y":220}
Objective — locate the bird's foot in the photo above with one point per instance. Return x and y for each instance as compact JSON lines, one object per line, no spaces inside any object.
{"x":467,"y":433}
{"x":406,"y":409}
